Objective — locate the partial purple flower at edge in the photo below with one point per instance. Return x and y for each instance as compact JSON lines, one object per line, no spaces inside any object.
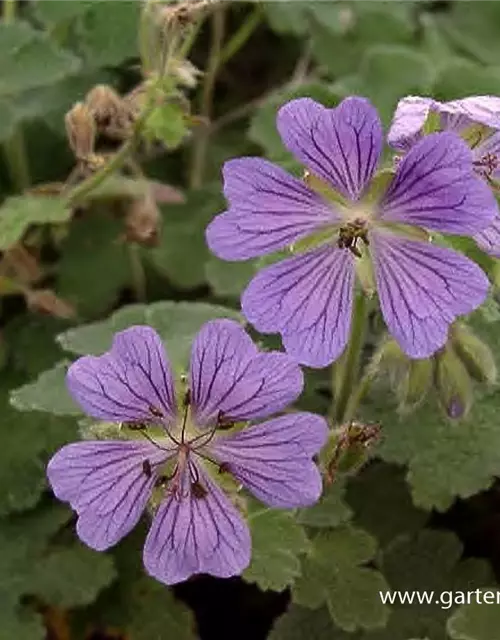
{"x":308,"y":298}
{"x":197,"y":528}
{"x":458,"y":116}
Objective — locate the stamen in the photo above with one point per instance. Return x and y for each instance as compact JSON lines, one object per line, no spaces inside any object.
{"x":224,"y":422}
{"x":158,"y":446}
{"x":157,"y":413}
{"x":146,"y":468}
{"x":186,"y":402}
{"x":198,"y":491}
{"x":134,"y":426}
{"x":350,"y":234}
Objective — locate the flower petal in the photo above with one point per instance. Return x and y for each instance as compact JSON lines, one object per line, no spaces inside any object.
{"x":412,"y":111}
{"x":106,"y":484}
{"x":435,"y":187}
{"x":308,"y":299}
{"x":422,"y":289}
{"x":127,"y":381}
{"x":269,"y":209}
{"x":489,"y":239}
{"x":229,"y":375}
{"x":274,"y":459}
{"x":191,"y":535}
{"x":408,"y":121}
{"x":341,"y":145}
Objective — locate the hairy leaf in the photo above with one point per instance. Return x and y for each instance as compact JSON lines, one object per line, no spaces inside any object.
{"x":19,"y":212}
{"x":277,"y":542}
{"x":335,"y":574}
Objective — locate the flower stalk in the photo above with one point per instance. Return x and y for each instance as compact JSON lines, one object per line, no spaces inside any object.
{"x":347,"y":369}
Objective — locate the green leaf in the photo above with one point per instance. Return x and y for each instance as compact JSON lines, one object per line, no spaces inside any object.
{"x":7,"y":121}
{"x":387,"y":73}
{"x":445,"y":460}
{"x":167,"y":124}
{"x":183,"y":251}
{"x":286,"y":17}
{"x":334,"y":573}
{"x":31,"y":565}
{"x":427,"y":562}
{"x":72,"y":576}
{"x":459,"y":77}
{"x":476,"y":621}
{"x":22,"y":625}
{"x":142,"y":608}
{"x":176,"y":322}
{"x":47,"y":393}
{"x":57,"y":12}
{"x":473,"y":29}
{"x":277,"y":542}
{"x":382,"y":504}
{"x":330,"y":511}
{"x":229,"y":278}
{"x":109,"y":33}
{"x":369,"y":23}
{"x":27,"y":440}
{"x":19,"y":212}
{"x":94,"y":265}
{"x":299,"y":623}
{"x":32,"y":342}
{"x":28,"y":59}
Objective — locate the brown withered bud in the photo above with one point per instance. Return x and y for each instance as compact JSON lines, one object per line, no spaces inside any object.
{"x":21,"y":265}
{"x":46,"y":301}
{"x":183,"y":13}
{"x":143,"y":221}
{"x":111,"y":113}
{"x":80,"y":129}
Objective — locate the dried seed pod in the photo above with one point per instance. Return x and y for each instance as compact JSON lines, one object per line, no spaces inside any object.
{"x":142,"y":221}
{"x":111,"y":113}
{"x":80,"y":130}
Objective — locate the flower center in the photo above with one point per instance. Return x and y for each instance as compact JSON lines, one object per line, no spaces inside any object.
{"x":182,"y":478}
{"x":487,"y":164}
{"x":351,"y":233}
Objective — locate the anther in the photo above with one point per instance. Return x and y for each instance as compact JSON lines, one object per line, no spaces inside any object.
{"x":198,"y":490}
{"x":146,"y":468}
{"x":158,"y":413}
{"x":224,"y":422}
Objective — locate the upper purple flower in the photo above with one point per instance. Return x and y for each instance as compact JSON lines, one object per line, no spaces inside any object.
{"x":178,"y":450}
{"x":308,"y":298}
{"x":462,"y":117}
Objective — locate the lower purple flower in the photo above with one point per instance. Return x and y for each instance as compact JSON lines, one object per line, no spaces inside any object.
{"x":348,"y":224}
{"x":177,"y":449}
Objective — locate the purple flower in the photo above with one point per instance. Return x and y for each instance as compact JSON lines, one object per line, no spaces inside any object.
{"x":462,"y":117}
{"x":308,"y":298}
{"x":178,"y":448}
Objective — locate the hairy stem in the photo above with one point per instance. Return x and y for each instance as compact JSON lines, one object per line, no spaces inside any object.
{"x":240,"y":37}
{"x":200,"y":147}
{"x":137,"y":270}
{"x":346,"y":377}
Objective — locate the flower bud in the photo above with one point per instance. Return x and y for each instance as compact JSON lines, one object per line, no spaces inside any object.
{"x":142,"y":221}
{"x":80,"y":130}
{"x":453,"y":384}
{"x":474,"y":354}
{"x":111,"y":113}
{"x":186,"y":73}
{"x":46,"y":301}
{"x":415,"y":384}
